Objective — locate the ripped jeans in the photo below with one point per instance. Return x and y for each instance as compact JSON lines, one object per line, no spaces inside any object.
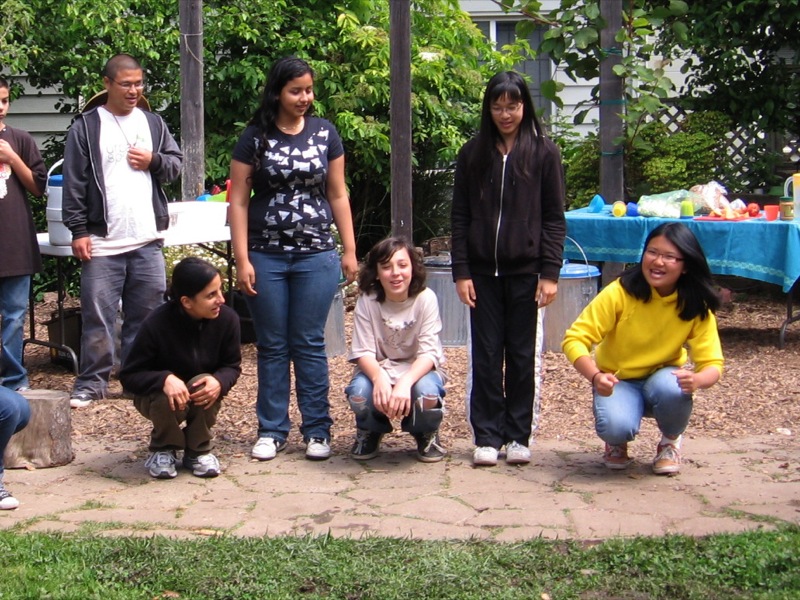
{"x":429,"y":386}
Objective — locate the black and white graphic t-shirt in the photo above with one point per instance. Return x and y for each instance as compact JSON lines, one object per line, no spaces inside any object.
{"x":289,"y":210}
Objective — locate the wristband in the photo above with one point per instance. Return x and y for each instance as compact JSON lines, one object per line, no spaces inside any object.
{"x":595,"y":375}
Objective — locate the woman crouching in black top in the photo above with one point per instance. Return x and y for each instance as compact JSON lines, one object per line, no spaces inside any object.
{"x":186,"y":357}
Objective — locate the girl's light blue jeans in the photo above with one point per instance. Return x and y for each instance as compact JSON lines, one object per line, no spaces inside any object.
{"x":295,"y":292}
{"x":618,"y":416}
{"x":429,"y":386}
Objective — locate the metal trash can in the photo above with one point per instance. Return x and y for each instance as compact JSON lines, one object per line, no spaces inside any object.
{"x":335,"y":341}
{"x":454,"y":314}
{"x":577,"y":285}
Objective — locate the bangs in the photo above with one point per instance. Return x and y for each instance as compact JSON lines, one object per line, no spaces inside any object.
{"x":505,"y":89}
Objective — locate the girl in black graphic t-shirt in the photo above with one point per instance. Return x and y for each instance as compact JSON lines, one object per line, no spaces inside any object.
{"x":287,"y":187}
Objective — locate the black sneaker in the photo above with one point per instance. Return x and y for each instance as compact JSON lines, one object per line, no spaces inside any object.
{"x":429,"y":449}
{"x":367,"y":444}
{"x":7,"y":501}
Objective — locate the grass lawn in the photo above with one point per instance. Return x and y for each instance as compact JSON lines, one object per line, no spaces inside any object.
{"x":748,"y":565}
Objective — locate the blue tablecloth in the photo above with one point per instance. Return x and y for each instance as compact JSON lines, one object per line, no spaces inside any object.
{"x":756,"y":248}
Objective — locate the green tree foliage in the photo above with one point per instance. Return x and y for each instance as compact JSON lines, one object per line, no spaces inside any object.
{"x":573,"y":42}
{"x":347,"y":43}
{"x":16,"y":17}
{"x":742,"y":59}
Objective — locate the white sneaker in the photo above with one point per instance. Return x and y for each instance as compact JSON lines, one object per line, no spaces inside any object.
{"x":7,"y":501}
{"x":517,"y":454}
{"x":80,"y":401}
{"x":266,"y":448}
{"x":318,"y":449}
{"x":484,"y":455}
{"x":205,"y":465}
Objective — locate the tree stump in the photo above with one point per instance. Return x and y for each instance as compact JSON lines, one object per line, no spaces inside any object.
{"x":47,"y":440}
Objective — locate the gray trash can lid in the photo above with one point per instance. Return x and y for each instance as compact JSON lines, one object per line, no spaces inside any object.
{"x":437,"y":260}
{"x":578,"y":270}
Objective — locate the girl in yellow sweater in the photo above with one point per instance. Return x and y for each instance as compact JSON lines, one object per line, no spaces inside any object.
{"x":640,"y":327}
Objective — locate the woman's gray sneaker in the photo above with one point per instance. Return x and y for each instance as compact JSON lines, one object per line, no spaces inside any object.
{"x":162,"y":464}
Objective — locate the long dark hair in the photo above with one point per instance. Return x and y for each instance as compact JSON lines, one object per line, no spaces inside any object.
{"x":189,"y":278}
{"x":282,"y":72}
{"x":696,"y":293}
{"x":381,"y":253}
{"x":511,"y":85}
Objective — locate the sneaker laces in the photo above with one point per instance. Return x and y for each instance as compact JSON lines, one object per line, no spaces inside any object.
{"x":161,"y":459}
{"x":208,"y":461}
{"x":619,"y":451}
{"x":669,"y":452}
{"x":362,"y":437}
{"x":430,"y":440}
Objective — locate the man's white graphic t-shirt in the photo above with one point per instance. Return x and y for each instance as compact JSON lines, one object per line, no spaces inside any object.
{"x":129,"y":203}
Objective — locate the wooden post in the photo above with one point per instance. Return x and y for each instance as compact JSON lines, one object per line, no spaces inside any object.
{"x":400,"y":116}
{"x":612,"y":106}
{"x":192,"y":108}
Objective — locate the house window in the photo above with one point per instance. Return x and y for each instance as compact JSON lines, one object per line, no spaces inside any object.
{"x":537,"y":70}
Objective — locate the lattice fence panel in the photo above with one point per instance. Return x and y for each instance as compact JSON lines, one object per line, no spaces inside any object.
{"x":744,"y":144}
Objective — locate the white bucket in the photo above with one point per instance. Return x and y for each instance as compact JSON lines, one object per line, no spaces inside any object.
{"x":58,"y":233}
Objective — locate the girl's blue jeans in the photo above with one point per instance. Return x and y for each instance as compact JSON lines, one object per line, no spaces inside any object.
{"x":619,"y":416}
{"x":295,"y":292}
{"x":429,"y":386}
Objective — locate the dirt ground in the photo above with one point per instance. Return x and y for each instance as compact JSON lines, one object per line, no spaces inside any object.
{"x":758,"y":395}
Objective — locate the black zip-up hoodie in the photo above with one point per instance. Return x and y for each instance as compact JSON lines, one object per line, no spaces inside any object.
{"x":84,"y":207}
{"x":505,"y":226}
{"x":172,"y":342}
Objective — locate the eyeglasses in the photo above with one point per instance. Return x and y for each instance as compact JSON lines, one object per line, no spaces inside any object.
{"x":509,"y":110}
{"x":127,"y":85}
{"x":667,"y":259}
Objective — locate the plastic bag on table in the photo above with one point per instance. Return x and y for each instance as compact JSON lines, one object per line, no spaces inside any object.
{"x":712,"y":197}
{"x":667,"y":204}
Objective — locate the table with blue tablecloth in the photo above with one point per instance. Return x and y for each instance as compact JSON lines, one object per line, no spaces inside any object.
{"x":755,"y":248}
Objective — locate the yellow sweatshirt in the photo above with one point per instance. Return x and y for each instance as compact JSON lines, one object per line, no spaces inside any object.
{"x":634,"y":339}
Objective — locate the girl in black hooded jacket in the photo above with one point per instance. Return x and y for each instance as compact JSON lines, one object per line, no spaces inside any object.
{"x":507,"y":245}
